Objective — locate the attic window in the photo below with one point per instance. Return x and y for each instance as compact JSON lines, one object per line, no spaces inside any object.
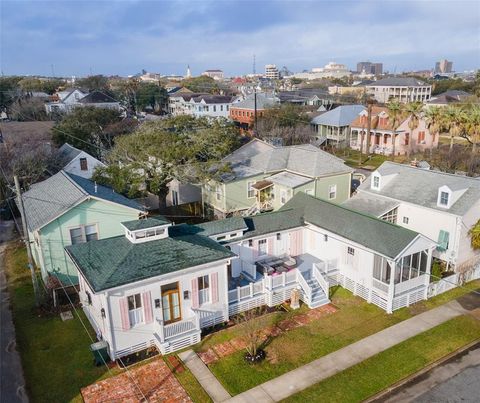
{"x":83,"y":164}
{"x":444,"y":198}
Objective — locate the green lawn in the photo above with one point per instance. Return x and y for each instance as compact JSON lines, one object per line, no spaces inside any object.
{"x":382,"y":370}
{"x":354,"y":320}
{"x":351,"y":158}
{"x":55,"y":354}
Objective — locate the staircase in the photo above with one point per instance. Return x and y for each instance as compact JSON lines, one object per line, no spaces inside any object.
{"x":318,"y":297}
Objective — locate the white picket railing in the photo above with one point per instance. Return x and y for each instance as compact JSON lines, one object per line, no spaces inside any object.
{"x":247,"y":291}
{"x":320,"y":279}
{"x":178,"y":328}
{"x":306,"y":288}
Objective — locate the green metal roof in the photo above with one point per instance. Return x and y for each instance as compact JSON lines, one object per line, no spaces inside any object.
{"x":113,"y":262}
{"x":378,"y":235}
{"x":145,"y":223}
{"x":226,"y":225}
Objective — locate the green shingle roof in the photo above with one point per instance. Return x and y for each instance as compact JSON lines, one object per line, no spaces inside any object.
{"x":378,"y":235}
{"x":145,"y":223}
{"x":113,"y":262}
{"x":230,"y":224}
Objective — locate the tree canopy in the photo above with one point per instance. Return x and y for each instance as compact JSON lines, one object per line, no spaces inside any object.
{"x":183,"y":148}
{"x":87,"y":128}
{"x":91,"y":83}
{"x":202,"y":84}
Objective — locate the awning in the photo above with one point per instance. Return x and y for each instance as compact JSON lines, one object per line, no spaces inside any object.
{"x":260,"y":185}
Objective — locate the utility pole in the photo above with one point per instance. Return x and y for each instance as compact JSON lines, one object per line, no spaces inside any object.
{"x":27,"y":241}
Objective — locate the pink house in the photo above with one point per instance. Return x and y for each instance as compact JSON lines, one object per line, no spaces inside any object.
{"x":382,"y":133}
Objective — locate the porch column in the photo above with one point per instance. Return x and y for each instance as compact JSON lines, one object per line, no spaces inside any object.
{"x":391,"y":286}
{"x":429,"y":270}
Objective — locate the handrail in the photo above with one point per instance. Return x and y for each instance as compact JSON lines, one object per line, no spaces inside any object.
{"x":321,"y":280}
{"x":303,"y":283}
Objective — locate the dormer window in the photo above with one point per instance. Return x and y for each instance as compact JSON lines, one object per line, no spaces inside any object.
{"x":444,"y":198}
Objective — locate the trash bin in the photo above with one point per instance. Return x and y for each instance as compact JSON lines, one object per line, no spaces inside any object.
{"x":100,"y":352}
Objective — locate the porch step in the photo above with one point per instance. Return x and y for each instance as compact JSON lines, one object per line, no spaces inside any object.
{"x":179,"y":342}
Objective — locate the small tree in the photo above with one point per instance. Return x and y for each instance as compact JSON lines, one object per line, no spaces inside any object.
{"x":251,"y":325}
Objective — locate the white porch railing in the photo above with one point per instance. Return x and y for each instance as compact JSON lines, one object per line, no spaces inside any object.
{"x":280,"y":280}
{"x":410,"y":284}
{"x":306,"y":288}
{"x":320,"y":279}
{"x":249,"y":291}
{"x":178,"y":328}
{"x":208,"y":318}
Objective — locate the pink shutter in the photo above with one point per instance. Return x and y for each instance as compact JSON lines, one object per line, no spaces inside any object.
{"x":195,"y":302}
{"x":214,"y":280}
{"x":147,"y":307}
{"x":270,"y":246}
{"x":124,"y":314}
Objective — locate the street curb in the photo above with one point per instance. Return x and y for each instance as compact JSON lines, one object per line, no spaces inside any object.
{"x":382,"y":395}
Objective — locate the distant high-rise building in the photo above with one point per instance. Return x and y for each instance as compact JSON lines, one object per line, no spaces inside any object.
{"x":272,"y":72}
{"x":370,"y":68}
{"x":443,"y":66}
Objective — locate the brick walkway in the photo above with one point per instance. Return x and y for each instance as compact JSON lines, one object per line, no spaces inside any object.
{"x":220,"y":350}
{"x":155,"y":379}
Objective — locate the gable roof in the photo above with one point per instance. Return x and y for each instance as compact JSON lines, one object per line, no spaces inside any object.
{"x":377,"y":123}
{"x":420,"y":187}
{"x":112,"y":262}
{"x":263,"y":102}
{"x":213,"y":99}
{"x":398,"y":82}
{"x":54,"y":196}
{"x":340,"y":116}
{"x":67,"y":153}
{"x":303,"y":159}
{"x":378,"y":235}
{"x":97,"y":97}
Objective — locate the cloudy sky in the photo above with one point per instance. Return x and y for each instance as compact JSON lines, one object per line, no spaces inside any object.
{"x":123,"y":37}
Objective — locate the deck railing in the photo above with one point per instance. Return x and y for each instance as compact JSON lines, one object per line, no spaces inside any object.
{"x":248,"y":291}
{"x":320,"y":279}
{"x":306,"y":288}
{"x":178,"y":328}
{"x":411,"y":284}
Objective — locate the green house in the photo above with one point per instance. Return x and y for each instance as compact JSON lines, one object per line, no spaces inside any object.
{"x":66,"y":209}
{"x":264,"y":177}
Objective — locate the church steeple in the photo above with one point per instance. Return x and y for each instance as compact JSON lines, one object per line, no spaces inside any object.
{"x":189,"y":73}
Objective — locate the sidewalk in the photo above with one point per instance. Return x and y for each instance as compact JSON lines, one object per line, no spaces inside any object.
{"x":327,"y":366}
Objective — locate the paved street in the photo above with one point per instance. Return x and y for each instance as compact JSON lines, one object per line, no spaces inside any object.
{"x":456,"y":380}
{"x":11,"y":373}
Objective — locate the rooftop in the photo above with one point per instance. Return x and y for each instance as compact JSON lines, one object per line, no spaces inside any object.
{"x":112,"y":262}
{"x":398,"y":82}
{"x":263,"y":102}
{"x":49,"y":199}
{"x":420,"y":187}
{"x":97,"y":97}
{"x":340,"y":116}
{"x":145,"y":223}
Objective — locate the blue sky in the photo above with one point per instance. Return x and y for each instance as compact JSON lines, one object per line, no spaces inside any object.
{"x":123,"y":37}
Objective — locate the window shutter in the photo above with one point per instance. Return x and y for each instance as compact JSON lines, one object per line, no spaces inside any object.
{"x":195,"y":302}
{"x":443,"y":239}
{"x":270,"y":246}
{"x":147,"y":307}
{"x":124,"y":313}
{"x":214,"y":280}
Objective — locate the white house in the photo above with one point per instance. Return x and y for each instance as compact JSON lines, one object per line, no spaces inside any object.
{"x":160,"y":284}
{"x":213,"y":106}
{"x":77,"y":162}
{"x":65,"y":101}
{"x":441,"y":206}
{"x":403,"y":89}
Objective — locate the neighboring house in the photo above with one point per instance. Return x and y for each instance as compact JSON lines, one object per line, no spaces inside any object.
{"x":441,"y":206}
{"x":264,"y":177}
{"x":183,"y":193}
{"x":403,"y":89}
{"x":213,"y":106}
{"x":99,"y":99}
{"x":382,"y":134}
{"x":66,"y":209}
{"x":306,"y":97}
{"x":334,"y":126}
{"x":243,"y":112}
{"x":179,"y":103}
{"x":77,"y":162}
{"x":166,"y":283}
{"x":67,"y":101}
{"x":448,"y":97}
{"x":214,"y":73}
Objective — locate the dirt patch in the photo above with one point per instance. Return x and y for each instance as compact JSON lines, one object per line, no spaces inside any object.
{"x":208,"y":356}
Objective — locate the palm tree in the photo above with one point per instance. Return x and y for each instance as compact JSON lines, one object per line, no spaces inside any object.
{"x":433,"y":116}
{"x":472,"y":125}
{"x":453,"y":118}
{"x":414,"y":110}
{"x":394,"y":112}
